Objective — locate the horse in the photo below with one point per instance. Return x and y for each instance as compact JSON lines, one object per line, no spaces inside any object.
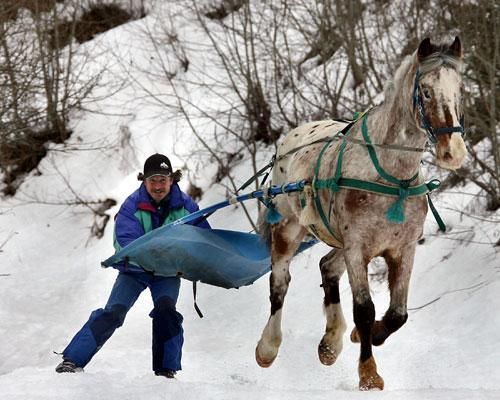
{"x":362,"y":197}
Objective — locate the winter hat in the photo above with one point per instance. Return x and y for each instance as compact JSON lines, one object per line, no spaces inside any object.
{"x":158,"y":164}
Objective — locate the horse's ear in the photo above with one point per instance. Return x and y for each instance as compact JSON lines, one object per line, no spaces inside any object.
{"x":456,"y":48}
{"x":425,"y":49}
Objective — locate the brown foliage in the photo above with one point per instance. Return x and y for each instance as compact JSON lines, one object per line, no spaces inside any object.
{"x":22,"y":155}
{"x":195,"y":192}
{"x":9,"y":8}
{"x":98,"y":18}
{"x":225,"y":8}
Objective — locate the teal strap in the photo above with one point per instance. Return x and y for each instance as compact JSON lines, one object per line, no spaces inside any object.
{"x":333,"y":187}
{"x":338,"y":169}
{"x":395,"y":213}
{"x":323,"y":217}
{"x":374,"y":187}
{"x":376,"y":164}
{"x":437,"y":217}
{"x":317,"y":201}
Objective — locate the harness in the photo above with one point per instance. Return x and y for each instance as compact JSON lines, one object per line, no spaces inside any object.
{"x":342,"y":135}
{"x":400,"y":188}
{"x":432,"y":133}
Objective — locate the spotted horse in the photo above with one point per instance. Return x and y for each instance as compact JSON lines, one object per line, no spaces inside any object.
{"x":365,"y":200}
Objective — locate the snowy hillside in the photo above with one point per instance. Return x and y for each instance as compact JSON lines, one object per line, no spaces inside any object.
{"x":50,"y":281}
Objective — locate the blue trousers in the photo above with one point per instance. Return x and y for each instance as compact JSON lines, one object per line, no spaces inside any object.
{"x":167,"y":322}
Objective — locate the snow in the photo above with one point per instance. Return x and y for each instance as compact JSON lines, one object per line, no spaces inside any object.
{"x":50,"y":281}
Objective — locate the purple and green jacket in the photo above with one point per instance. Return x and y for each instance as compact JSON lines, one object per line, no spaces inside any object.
{"x":140,"y":214}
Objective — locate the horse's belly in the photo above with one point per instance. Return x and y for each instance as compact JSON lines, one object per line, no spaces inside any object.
{"x":361,"y":218}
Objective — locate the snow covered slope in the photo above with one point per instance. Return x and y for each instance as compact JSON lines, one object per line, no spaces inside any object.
{"x":50,"y":281}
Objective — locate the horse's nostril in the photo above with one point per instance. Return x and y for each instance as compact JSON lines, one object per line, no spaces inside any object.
{"x":447,"y":156}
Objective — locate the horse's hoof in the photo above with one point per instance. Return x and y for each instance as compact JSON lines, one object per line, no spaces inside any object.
{"x":261,"y":361}
{"x":326,"y":354}
{"x":369,"y":379}
{"x":355,"y":336}
{"x":371,"y":383}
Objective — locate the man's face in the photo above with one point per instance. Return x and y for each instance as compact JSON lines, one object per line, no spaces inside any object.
{"x":158,"y":186}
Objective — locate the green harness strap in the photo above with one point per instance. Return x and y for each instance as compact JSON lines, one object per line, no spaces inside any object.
{"x":374,"y":187}
{"x":401,"y":187}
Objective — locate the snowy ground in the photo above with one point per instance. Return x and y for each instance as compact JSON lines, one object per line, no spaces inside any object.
{"x":448,"y":348}
{"x":50,"y":281}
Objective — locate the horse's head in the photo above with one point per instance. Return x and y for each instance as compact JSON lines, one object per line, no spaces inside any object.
{"x":437,"y":100}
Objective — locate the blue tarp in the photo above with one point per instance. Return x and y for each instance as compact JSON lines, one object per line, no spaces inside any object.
{"x":228,"y":259}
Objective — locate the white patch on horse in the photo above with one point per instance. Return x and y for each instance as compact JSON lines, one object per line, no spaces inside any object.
{"x":451,"y":83}
{"x":457,"y":148}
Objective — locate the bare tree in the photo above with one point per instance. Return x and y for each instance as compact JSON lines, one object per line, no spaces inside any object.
{"x":44,"y":79}
{"x":276,"y":64}
{"x":478,"y":24}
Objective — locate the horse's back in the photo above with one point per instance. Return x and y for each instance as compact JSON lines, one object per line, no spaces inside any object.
{"x":299,"y":149}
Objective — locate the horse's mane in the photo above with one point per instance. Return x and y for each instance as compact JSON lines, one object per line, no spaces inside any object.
{"x":431,"y":62}
{"x":392,"y":85}
{"x":437,"y":59}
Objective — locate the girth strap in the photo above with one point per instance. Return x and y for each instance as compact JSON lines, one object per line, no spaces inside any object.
{"x":374,"y":187}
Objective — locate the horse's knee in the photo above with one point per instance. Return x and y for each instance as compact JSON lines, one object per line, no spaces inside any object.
{"x":278,"y":289}
{"x":331,"y":271}
{"x":391,"y":322}
{"x":331,"y":289}
{"x":364,"y":316}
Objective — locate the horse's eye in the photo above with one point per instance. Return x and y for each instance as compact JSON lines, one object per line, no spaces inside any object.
{"x":427,"y":94}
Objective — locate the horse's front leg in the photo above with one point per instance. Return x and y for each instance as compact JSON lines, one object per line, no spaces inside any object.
{"x":286,"y":238}
{"x":332,"y":267}
{"x":400,"y":265}
{"x":364,"y":317}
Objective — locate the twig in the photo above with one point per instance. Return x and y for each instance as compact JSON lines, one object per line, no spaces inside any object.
{"x":477,"y":285}
{"x":6,"y":240}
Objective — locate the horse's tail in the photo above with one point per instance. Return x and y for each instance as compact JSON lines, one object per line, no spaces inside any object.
{"x":263,"y":226}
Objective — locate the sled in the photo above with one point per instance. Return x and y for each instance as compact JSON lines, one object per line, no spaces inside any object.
{"x":224,"y":258}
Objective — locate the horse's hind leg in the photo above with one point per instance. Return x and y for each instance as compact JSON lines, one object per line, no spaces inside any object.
{"x":332,"y":267}
{"x":286,"y":238}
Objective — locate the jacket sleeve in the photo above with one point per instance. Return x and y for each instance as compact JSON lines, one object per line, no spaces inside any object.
{"x":127,"y":225}
{"x":191,"y":206}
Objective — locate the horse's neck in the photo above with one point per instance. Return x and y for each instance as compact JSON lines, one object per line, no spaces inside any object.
{"x":392,"y":124}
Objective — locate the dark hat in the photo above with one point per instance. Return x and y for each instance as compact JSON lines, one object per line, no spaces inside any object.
{"x":157,"y":164}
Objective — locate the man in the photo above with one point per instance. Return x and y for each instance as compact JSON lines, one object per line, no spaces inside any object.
{"x":157,"y":202}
